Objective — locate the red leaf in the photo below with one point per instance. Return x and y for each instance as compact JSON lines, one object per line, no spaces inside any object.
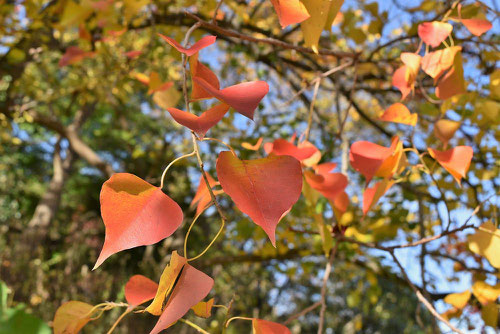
{"x":400,"y":82}
{"x":200,"y":124}
{"x":73,"y":55}
{"x":328,"y":184}
{"x":284,"y":147}
{"x":373,"y":194}
{"x":139,"y":289}
{"x":399,"y":113}
{"x":133,"y":54}
{"x":265,"y":189}
{"x":197,"y":69}
{"x":192,"y":286}
{"x":201,"y":44}
{"x":135,"y":213}
{"x":477,"y":26}
{"x":243,"y":97}
{"x":367,"y":157}
{"x":290,"y":11}
{"x":455,"y":160}
{"x":437,"y":62}
{"x":268,"y":327}
{"x":202,"y":197}
{"x":434,"y":33}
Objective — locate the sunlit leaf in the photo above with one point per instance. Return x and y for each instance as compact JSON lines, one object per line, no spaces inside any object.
{"x":265,"y":189}
{"x":284,"y":147}
{"x":139,"y":289}
{"x":70,"y":317}
{"x":200,"y":124}
{"x":260,"y":326}
{"x":434,"y":33}
{"x":372,"y":195}
{"x":203,"y":309}
{"x":167,"y":98}
{"x":477,"y":25}
{"x":455,"y":160}
{"x":437,"y":62}
{"x":486,"y":242}
{"x":444,"y":129}
{"x":452,"y":83}
{"x":201,"y":44}
{"x":328,"y":184}
{"x":458,"y":300}
{"x":290,"y":11}
{"x":254,"y":147}
{"x":322,"y":14}
{"x":202,"y":197}
{"x":198,"y":69}
{"x":399,"y":113}
{"x":135,"y":213}
{"x":485,"y":293}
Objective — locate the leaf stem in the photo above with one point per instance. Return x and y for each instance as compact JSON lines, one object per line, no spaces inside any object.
{"x":234,"y":318}
{"x":127,"y":311}
{"x":170,"y":164}
{"x":211,"y":243}
{"x":220,"y":141}
{"x":195,"y":326}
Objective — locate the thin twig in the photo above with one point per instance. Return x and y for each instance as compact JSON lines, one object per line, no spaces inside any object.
{"x":311,"y":110}
{"x":303,"y":312}
{"x":326,"y":275}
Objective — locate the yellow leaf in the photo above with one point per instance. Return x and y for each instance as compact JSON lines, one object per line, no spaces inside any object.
{"x":444,"y":130}
{"x":70,"y":317}
{"x":458,"y":300}
{"x":489,"y":313}
{"x":203,"y":309}
{"x":74,"y":14}
{"x":322,"y":13}
{"x":485,"y":293}
{"x":486,"y":242}
{"x":167,"y":98}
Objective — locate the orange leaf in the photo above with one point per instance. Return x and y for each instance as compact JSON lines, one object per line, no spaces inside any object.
{"x":191,"y":287}
{"x":313,"y":159}
{"x":265,"y":189}
{"x":400,"y":81}
{"x":167,"y":280}
{"x":71,"y":316}
{"x":455,"y":160}
{"x":132,"y":54}
{"x":135,"y":213}
{"x":251,"y":147}
{"x":201,"y":44}
{"x":437,"y":62}
{"x":372,"y":195}
{"x":73,"y":55}
{"x":203,"y":309}
{"x":399,"y":113}
{"x":202,"y":197}
{"x":197,"y":69}
{"x":434,"y":33}
{"x":444,"y":129}
{"x":340,"y":205}
{"x":156,"y":85}
{"x":478,"y":25}
{"x":268,"y":327}
{"x":139,"y":289}
{"x":412,"y":62}
{"x":200,"y":124}
{"x":243,"y":97}
{"x":284,"y":147}
{"x":452,"y":82}
{"x":290,"y":11}
{"x":328,"y":184}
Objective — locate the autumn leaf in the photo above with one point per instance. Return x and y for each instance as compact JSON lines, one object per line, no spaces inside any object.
{"x":73,"y":55}
{"x":153,"y":82}
{"x":132,"y":54}
{"x":203,"y":309}
{"x":200,"y":124}
{"x":452,"y":83}
{"x":265,"y":189}
{"x":167,"y":280}
{"x":198,"y":69}
{"x":201,"y":44}
{"x":202,"y":197}
{"x":444,"y":129}
{"x":489,"y":314}
{"x":412,"y":62}
{"x":284,"y":147}
{"x":486,"y":242}
{"x":139,"y":289}
{"x":326,"y":183}
{"x":243,"y":97}
{"x":485,"y":293}
{"x":399,"y":80}
{"x":254,"y":147}
{"x":455,"y":160}
{"x":167,"y":98}
{"x":437,"y":62}
{"x":191,"y":287}
{"x":434,"y":33}
{"x":260,"y":326}
{"x":135,"y":213}
{"x":340,"y":205}
{"x":372,"y":195}
{"x":477,"y":25}
{"x":399,"y":113}
{"x":458,"y":300}
{"x":290,"y":11}
{"x":71,"y":316}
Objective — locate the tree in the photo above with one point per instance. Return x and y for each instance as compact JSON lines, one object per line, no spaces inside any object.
{"x":301,"y":165}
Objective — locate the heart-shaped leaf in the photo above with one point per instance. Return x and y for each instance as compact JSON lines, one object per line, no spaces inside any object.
{"x":139,"y":289}
{"x":458,"y":300}
{"x":400,"y":81}
{"x":265,"y":189}
{"x":322,"y":14}
{"x":200,"y":124}
{"x":290,"y":11}
{"x":486,"y":293}
{"x":328,"y":184}
{"x":284,"y":147}
{"x":71,"y":316}
{"x":198,"y":69}
{"x":437,"y":62}
{"x":444,"y":129}
{"x":477,"y":25}
{"x":135,"y":213}
{"x":191,"y":287}
{"x":372,"y":195}
{"x":486,"y":242}
{"x":434,"y":33}
{"x":399,"y":113}
{"x":244,"y":97}
{"x":260,"y":326}
{"x":201,"y":44}
{"x":452,"y":83}
{"x":455,"y":160}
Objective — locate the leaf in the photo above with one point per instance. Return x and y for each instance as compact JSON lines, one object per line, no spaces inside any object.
{"x":412,"y":62}
{"x":200,"y":124}
{"x":400,"y":81}
{"x":399,"y":113}
{"x":452,"y":83}
{"x":290,"y":11}
{"x":139,"y":289}
{"x":243,"y":97}
{"x":372,"y":195}
{"x":456,"y":160}
{"x":71,"y":316}
{"x":135,"y":213}
{"x":322,"y":13}
{"x":202,"y":197}
{"x":133,"y":7}
{"x":156,"y":85}
{"x":201,"y":44}
{"x":434,"y":33}
{"x":260,"y":326}
{"x":167,"y":98}
{"x":203,"y":309}
{"x":132,"y":54}
{"x":478,"y":25}
{"x":191,"y":287}
{"x":313,"y":159}
{"x":74,"y":14}
{"x":458,"y":300}
{"x":328,"y":184}
{"x":251,"y":147}
{"x":486,"y":242}
{"x":444,"y":129}
{"x":489,"y":314}
{"x":340,"y":205}
{"x":197,"y":69}
{"x":437,"y":62}
{"x":284,"y":147}
{"x":167,"y":280}
{"x":265,"y":189}
{"x":485,"y":293}
{"x":74,"y":55}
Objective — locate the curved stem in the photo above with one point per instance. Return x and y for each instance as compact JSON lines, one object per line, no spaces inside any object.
{"x":220,"y":141}
{"x":127,"y":311}
{"x":234,"y":318}
{"x":189,"y":231}
{"x":170,"y":164}
{"x":211,"y":243}
{"x":195,"y":326}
